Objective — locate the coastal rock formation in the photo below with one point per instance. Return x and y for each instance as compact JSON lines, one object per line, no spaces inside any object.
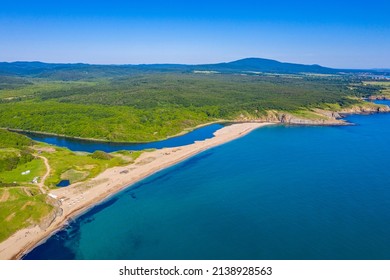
{"x":322,"y":117}
{"x":49,"y":219}
{"x":329,"y":114}
{"x":291,"y":119}
{"x":295,"y":120}
{"x":379,"y":97}
{"x":366,"y":109}
{"x":57,"y":212}
{"x":315,"y":116}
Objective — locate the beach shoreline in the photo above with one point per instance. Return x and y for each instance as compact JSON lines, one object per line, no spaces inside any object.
{"x":79,"y":197}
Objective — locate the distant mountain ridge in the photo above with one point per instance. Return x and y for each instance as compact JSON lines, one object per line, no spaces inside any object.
{"x":269,"y":65}
{"x":82,"y":70}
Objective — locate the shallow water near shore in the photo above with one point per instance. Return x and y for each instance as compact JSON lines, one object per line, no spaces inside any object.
{"x":278,"y":193}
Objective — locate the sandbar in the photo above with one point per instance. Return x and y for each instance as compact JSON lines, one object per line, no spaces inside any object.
{"x":79,"y":197}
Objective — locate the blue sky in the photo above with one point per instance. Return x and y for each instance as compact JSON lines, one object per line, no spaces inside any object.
{"x":344,"y":34}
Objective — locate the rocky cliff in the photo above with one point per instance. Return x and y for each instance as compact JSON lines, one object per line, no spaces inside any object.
{"x":365,"y":108}
{"x":317,"y":116}
{"x":56,"y":212}
{"x":379,"y":97}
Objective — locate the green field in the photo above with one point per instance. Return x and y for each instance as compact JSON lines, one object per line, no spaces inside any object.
{"x":40,"y":87}
{"x":383,"y":87}
{"x":76,"y":166}
{"x":36,"y":167}
{"x":22,"y":203}
{"x":21,"y":207}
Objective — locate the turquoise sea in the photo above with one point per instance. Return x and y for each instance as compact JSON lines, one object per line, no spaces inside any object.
{"x":281,"y":192}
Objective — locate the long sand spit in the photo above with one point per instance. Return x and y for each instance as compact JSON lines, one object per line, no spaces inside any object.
{"x":79,"y":197}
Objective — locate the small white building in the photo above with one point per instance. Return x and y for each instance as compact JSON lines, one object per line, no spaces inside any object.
{"x":52,"y":195}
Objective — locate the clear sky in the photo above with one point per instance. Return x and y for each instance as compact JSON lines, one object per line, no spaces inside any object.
{"x":344,"y":34}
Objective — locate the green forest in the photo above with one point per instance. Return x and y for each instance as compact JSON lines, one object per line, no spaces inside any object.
{"x":134,"y":104}
{"x":152,"y":106}
{"x":14,"y":150}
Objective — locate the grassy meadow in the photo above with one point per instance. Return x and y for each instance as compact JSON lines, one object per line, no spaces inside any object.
{"x":22,"y":204}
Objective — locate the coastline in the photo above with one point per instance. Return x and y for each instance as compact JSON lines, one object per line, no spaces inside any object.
{"x":79,"y":197}
{"x":327,"y":117}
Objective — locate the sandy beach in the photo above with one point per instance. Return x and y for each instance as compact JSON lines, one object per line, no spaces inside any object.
{"x":77,"y":198}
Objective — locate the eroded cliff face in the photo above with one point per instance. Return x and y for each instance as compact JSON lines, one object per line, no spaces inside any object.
{"x":379,"y":97}
{"x":329,"y":114}
{"x":291,"y":119}
{"x":325,"y":118}
{"x":56,"y":212}
{"x":317,"y":116}
{"x":366,"y":109}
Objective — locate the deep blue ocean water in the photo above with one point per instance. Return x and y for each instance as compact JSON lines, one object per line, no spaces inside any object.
{"x":281,"y":192}
{"x":91,"y":146}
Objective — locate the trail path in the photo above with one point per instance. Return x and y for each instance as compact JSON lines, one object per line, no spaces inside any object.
{"x":41,"y":183}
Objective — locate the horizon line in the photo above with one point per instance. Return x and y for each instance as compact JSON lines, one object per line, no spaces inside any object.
{"x":186,"y":64}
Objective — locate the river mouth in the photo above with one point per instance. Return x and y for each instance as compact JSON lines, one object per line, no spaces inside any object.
{"x":281,"y":192}
{"x":80,"y":145}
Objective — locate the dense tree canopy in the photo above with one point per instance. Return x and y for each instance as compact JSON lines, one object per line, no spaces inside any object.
{"x":151,"y":106}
